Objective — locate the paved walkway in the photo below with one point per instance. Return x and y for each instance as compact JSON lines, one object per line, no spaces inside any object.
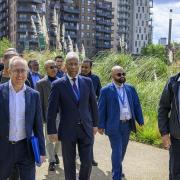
{"x":142,"y":162}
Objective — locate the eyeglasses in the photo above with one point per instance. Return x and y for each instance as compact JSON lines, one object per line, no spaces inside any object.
{"x":121,"y":74}
{"x":52,"y":67}
{"x":19,"y":71}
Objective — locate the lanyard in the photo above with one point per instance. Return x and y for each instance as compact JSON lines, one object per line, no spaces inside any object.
{"x":122,"y":98}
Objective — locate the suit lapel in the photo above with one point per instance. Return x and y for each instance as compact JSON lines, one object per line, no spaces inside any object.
{"x":69,"y":89}
{"x":114,"y":93}
{"x":81,"y":88}
{"x":27,"y":105}
{"x":6,"y":99}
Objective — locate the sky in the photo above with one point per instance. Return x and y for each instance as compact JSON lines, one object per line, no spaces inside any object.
{"x":161,"y":19}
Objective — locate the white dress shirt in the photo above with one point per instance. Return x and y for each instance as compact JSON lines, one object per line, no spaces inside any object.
{"x":16,"y":114}
{"x":125,"y":111}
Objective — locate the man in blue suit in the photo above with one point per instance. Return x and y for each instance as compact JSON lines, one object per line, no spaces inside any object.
{"x":119,"y":107}
{"x":20,"y":117}
{"x":74,"y":97}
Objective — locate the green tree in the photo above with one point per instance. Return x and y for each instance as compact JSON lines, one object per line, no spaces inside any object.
{"x":157,"y":51}
{"x":4,"y":44}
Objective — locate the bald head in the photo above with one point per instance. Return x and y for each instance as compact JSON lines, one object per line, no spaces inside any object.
{"x":118,"y":75}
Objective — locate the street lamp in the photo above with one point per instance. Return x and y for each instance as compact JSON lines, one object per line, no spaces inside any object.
{"x":170,"y":28}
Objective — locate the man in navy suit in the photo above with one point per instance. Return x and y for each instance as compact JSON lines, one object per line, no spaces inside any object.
{"x":119,"y":107}
{"x":74,"y":97}
{"x":20,"y":117}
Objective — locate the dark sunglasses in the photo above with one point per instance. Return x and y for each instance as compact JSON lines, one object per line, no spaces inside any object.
{"x":121,"y":74}
{"x":52,"y":67}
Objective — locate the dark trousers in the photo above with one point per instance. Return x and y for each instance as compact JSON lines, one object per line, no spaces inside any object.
{"x":15,"y":174}
{"x":84,"y":143}
{"x":16,"y":155}
{"x":119,"y":142}
{"x":174,"y":162}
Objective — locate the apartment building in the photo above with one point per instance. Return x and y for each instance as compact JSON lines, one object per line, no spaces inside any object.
{"x":132,"y":24}
{"x":87,"y":22}
{"x":15,"y":22}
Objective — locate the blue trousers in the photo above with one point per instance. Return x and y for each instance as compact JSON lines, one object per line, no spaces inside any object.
{"x":16,"y":155}
{"x":119,"y":144}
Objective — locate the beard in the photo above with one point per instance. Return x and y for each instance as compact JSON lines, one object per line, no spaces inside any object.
{"x":121,"y":80}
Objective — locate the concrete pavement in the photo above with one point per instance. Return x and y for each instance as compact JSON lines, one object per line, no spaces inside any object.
{"x":142,"y":162}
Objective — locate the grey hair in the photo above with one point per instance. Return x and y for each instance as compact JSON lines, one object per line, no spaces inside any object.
{"x":72,"y":55}
{"x":17,"y":58}
{"x":49,"y":62}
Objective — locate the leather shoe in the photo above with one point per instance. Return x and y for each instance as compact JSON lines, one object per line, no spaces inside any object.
{"x":57,"y":159}
{"x":51,"y":166}
{"x":94,"y":163}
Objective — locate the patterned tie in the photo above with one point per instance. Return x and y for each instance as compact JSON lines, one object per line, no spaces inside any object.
{"x":76,"y":91}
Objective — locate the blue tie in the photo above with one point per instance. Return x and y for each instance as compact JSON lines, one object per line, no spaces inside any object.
{"x":76,"y":91}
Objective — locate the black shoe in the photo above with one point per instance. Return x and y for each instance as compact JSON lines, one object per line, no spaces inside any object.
{"x":123,"y":175}
{"x":51,"y":166}
{"x":94,"y":163}
{"x":57,"y":159}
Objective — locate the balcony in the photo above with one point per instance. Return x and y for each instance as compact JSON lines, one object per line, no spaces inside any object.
{"x":28,"y":10}
{"x":71,"y":28}
{"x":104,"y":23}
{"x":33,"y":1}
{"x":103,"y":30}
{"x":104,"y":14}
{"x":70,"y":19}
{"x":27,"y":19}
{"x":104,"y":7}
{"x":103,"y":38}
{"x":70,"y":10}
{"x":24,"y":30}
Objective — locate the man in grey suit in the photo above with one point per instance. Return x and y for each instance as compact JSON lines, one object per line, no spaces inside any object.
{"x":44,"y":87}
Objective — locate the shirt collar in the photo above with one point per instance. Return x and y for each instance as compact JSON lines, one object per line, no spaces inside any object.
{"x":70,"y":78}
{"x":178,"y":79}
{"x":12,"y":88}
{"x":117,"y":86}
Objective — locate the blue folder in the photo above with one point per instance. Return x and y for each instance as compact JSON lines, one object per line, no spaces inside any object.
{"x":35,"y":147}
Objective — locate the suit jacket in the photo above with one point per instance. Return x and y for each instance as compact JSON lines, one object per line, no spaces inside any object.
{"x":29,"y":78}
{"x":71,"y":110}
{"x":44,"y":87}
{"x":33,"y":119}
{"x":109,"y":111}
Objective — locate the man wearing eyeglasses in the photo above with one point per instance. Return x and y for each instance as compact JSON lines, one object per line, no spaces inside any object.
{"x":119,"y":108}
{"x":21,"y":112}
{"x":44,"y":87}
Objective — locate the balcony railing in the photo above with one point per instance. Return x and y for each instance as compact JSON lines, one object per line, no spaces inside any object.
{"x":34,"y":1}
{"x":103,"y":6}
{"x":71,"y":27}
{"x":70,"y":19}
{"x":28,"y":9}
{"x":70,"y":10}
